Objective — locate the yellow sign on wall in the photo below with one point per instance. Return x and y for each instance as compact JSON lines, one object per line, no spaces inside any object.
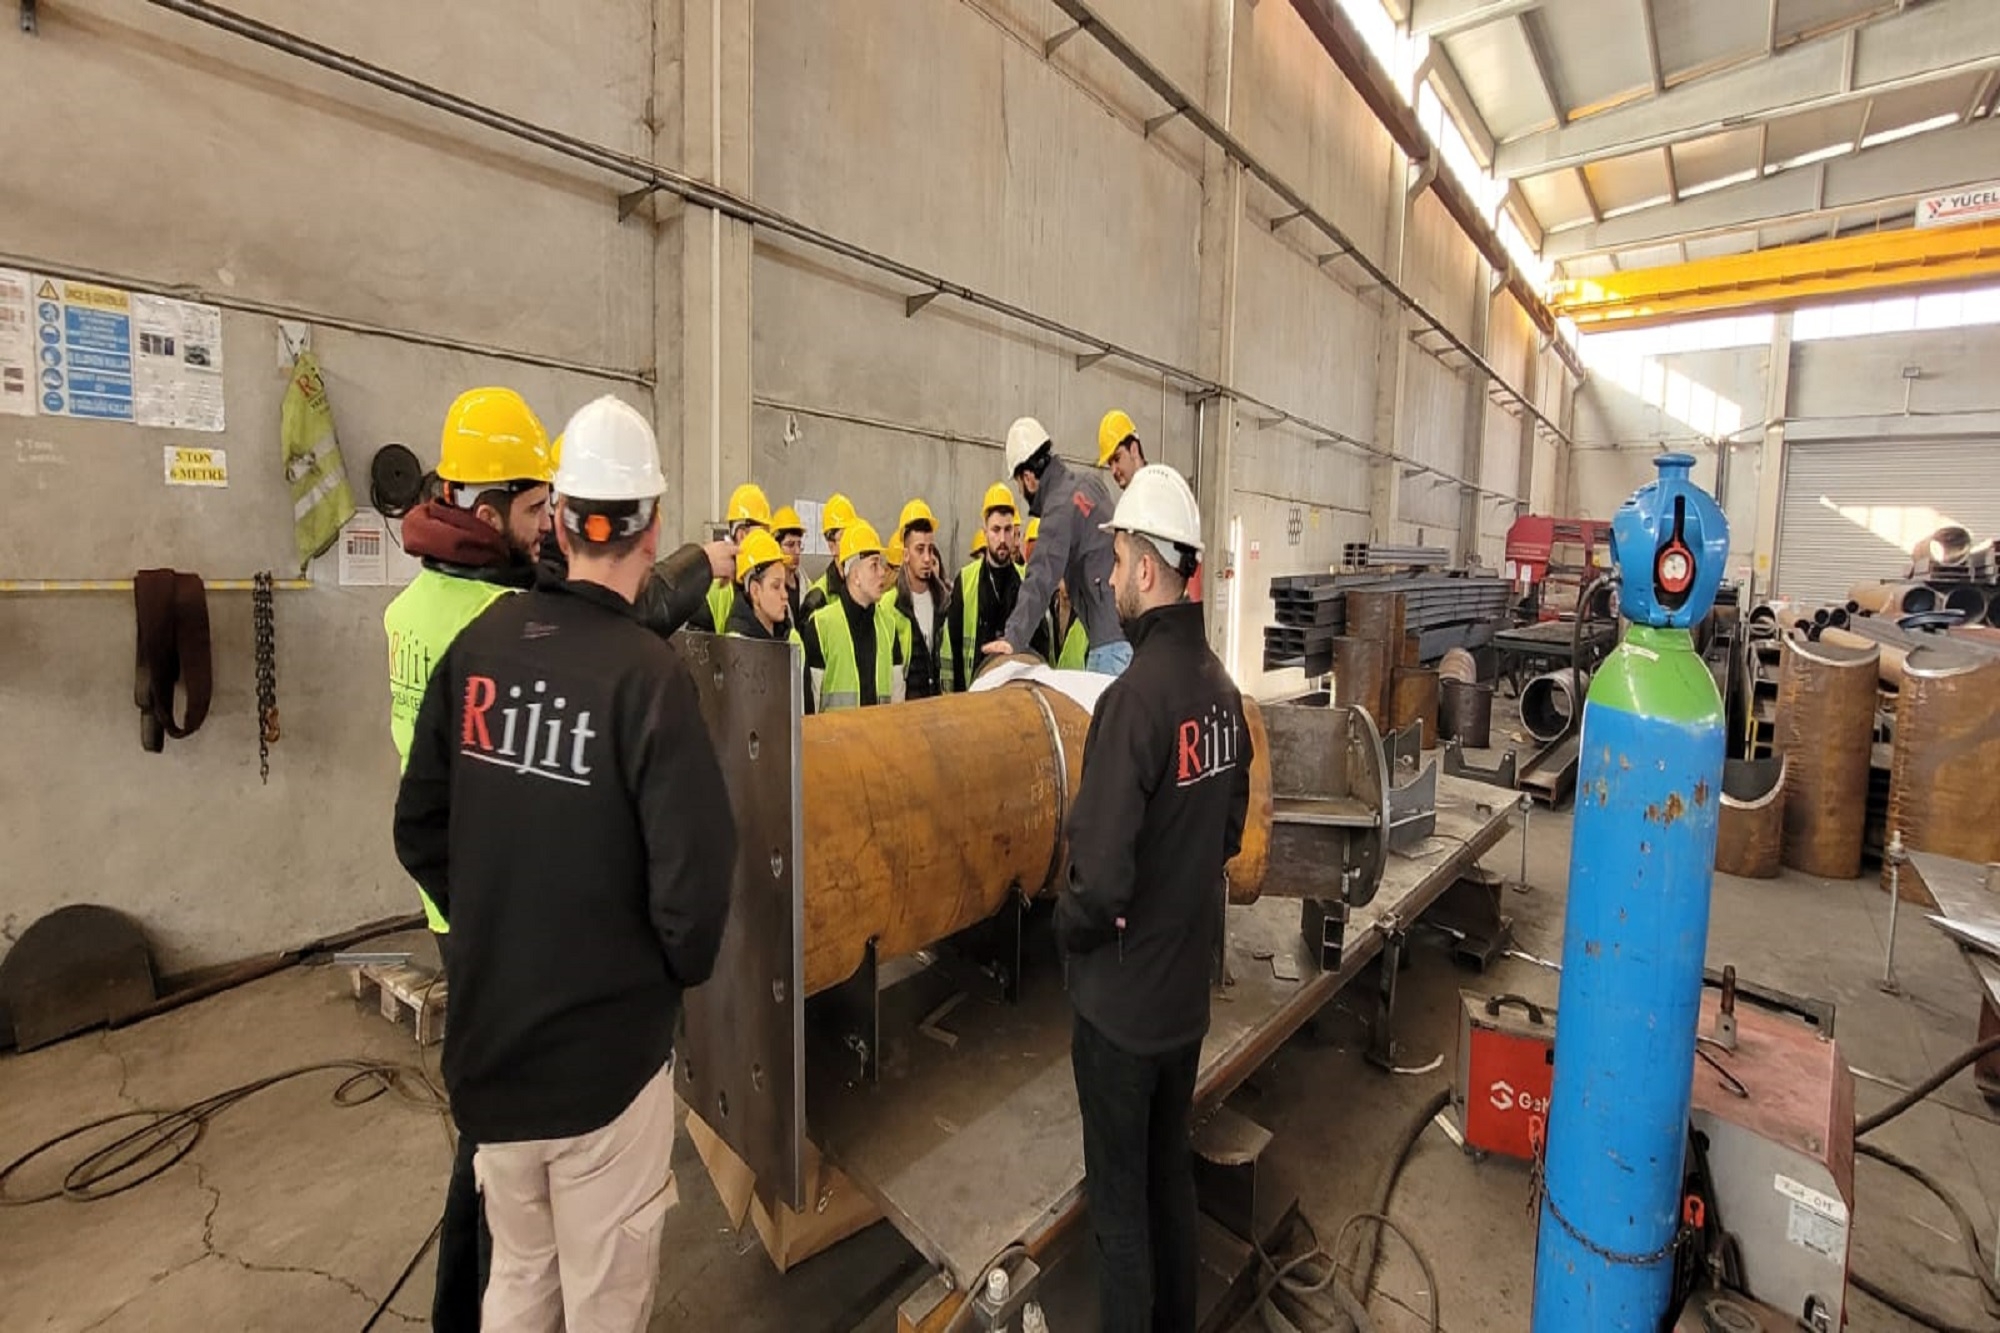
{"x":196,"y":467}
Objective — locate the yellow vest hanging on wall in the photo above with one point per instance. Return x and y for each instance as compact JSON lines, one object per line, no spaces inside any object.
{"x":321,"y":500}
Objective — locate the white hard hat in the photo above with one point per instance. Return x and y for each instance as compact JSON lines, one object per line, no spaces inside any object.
{"x":1158,"y":504}
{"x":608,"y":453}
{"x":1025,"y":438}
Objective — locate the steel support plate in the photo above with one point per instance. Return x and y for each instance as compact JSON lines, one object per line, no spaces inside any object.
{"x":741,"y":1063}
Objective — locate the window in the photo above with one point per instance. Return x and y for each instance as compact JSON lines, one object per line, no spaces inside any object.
{"x":1898,"y":314}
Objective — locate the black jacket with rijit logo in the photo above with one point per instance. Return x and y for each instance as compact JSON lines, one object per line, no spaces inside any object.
{"x":1166,"y":786}
{"x":564,"y":808}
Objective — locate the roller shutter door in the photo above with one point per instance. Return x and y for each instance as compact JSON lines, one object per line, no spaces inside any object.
{"x":1847,"y":503}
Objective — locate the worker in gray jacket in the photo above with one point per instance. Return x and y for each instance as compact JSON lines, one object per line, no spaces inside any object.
{"x":1073,"y":550}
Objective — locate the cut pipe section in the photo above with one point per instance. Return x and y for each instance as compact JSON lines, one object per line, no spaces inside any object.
{"x":1826,"y":726}
{"x":1549,"y":704}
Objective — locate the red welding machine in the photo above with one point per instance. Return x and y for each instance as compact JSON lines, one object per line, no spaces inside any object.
{"x":1506,"y":1062}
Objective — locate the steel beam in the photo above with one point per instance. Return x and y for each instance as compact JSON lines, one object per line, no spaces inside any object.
{"x":1438,"y":19}
{"x":1944,"y":39}
{"x":1785,"y":276}
{"x":1892,"y":173}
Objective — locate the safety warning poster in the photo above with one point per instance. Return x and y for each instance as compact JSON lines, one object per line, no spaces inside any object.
{"x":84,"y":333}
{"x":17,"y":345}
{"x":106,"y":354}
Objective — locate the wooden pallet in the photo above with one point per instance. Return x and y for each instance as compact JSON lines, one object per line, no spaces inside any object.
{"x":418,"y":991}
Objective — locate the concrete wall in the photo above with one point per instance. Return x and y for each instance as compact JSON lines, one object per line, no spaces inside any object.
{"x":146,"y":146}
{"x":936,"y":132}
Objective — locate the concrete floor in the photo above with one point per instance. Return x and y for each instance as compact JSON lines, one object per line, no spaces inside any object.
{"x":295,"y":1213}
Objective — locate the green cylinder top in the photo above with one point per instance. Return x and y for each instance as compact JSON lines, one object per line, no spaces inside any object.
{"x":1656,"y":672}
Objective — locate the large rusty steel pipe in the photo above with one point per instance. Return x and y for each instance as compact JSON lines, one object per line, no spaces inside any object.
{"x":1946,"y":763}
{"x":1826,"y":726}
{"x":922,"y":818}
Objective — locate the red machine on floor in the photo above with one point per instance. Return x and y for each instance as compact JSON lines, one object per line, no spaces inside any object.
{"x":1549,"y":560}
{"x":1773,"y":1113}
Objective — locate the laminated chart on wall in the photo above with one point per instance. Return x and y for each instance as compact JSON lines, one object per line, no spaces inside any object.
{"x":17,"y":344}
{"x":176,"y":364}
{"x":105,"y":354}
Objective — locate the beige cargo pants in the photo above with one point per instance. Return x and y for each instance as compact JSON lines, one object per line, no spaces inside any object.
{"x":576,"y":1222}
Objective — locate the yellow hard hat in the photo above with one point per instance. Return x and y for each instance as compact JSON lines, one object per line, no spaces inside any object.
{"x":858,"y":538}
{"x":1114,"y":430}
{"x":748,"y":505}
{"x":916,"y":511}
{"x":978,"y":540}
{"x":893,"y":552}
{"x":1034,"y":530}
{"x":759,"y":549}
{"x":491,"y":436}
{"x":838,"y":515}
{"x":787,"y":520}
{"x":998,"y":496}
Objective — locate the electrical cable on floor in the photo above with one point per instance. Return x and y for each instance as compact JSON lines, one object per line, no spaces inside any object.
{"x":382,"y":1306}
{"x":1968,"y":1233}
{"x":1351,"y":1296}
{"x":167,"y":1136}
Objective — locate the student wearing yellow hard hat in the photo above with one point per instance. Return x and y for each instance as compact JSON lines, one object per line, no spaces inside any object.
{"x":836,"y":516}
{"x":764,"y":611}
{"x":921,"y":599}
{"x":748,"y":511}
{"x":988,"y":586}
{"x":477,"y":540}
{"x":1118,"y":447}
{"x":852,"y":654}
{"x":790,"y":530}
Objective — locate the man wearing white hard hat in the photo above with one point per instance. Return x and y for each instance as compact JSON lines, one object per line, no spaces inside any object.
{"x":564,"y":809}
{"x":1158,"y":814}
{"x":1073,"y":551}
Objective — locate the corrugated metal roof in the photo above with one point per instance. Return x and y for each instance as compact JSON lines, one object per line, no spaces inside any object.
{"x":1494,"y":64}
{"x":1697,"y":34}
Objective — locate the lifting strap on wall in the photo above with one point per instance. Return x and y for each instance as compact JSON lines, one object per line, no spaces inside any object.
{"x":173,"y":650}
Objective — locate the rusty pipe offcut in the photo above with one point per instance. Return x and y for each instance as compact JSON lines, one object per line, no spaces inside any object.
{"x":922,"y":818}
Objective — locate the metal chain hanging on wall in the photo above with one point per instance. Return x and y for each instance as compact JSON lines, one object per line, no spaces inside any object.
{"x":264,"y":610}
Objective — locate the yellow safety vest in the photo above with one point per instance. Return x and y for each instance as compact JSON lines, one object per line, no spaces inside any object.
{"x":422,"y":623}
{"x":837,"y":685}
{"x":1075,"y":647}
{"x":968,"y":623}
{"x":721,"y":601}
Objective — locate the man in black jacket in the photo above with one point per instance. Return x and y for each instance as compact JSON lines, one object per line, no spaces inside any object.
{"x":564,"y":809}
{"x":1160,"y":810}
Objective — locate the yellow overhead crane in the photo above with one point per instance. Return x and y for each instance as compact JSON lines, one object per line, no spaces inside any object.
{"x":1784,"y":276}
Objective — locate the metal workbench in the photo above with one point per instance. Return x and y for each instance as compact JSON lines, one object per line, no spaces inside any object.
{"x":973,"y":1146}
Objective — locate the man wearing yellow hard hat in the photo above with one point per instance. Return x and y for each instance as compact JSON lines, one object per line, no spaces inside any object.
{"x":988,"y":586}
{"x":1118,"y":447}
{"x":921,"y":600}
{"x":790,"y":530}
{"x":852,"y":654}
{"x":477,"y":541}
{"x":835,"y":517}
{"x":748,"y":512}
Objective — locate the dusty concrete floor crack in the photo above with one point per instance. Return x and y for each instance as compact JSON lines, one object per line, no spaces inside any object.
{"x":124,"y":1069}
{"x":212,"y":1250}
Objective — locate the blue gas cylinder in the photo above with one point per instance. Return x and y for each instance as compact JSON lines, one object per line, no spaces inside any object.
{"x":1648,"y":800}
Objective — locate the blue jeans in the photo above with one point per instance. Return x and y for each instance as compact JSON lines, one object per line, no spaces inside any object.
{"x":1138,"y":1170}
{"x":1108,"y":659}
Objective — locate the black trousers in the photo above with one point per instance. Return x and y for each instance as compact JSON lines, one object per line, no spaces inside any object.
{"x":464,"y":1249}
{"x":1139,"y":1179}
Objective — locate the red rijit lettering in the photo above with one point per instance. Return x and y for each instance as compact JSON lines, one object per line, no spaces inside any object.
{"x":480,"y":692}
{"x":1190,"y":749}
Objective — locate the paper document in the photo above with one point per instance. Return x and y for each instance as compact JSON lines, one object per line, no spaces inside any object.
{"x":1080,"y":687}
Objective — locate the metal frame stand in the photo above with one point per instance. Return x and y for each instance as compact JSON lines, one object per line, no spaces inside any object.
{"x":1381,"y":1042}
{"x":992,"y":948}
{"x":847,"y":1019}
